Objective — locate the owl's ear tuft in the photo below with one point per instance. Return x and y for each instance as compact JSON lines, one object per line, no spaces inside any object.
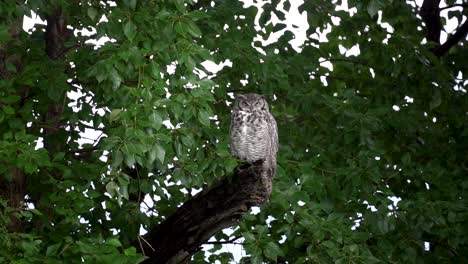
{"x":239,"y":96}
{"x":265,"y":97}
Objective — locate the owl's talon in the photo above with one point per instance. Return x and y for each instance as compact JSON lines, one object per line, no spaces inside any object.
{"x":258,"y":162}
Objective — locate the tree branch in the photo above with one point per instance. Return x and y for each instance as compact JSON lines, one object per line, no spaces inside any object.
{"x":452,"y":6}
{"x":452,"y":40}
{"x":181,"y":235}
{"x":430,"y":14}
{"x":360,"y":62}
{"x":200,"y":4}
{"x":83,"y":150}
{"x":230,"y":241}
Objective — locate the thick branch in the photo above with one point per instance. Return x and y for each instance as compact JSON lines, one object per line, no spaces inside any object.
{"x":452,"y":40}
{"x":430,"y":14}
{"x":181,"y":235}
{"x":56,"y":34}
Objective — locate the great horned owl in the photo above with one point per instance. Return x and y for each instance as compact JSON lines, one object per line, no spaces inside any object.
{"x":254,"y":134}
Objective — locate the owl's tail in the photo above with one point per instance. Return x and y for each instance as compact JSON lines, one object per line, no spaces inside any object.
{"x":268,"y":172}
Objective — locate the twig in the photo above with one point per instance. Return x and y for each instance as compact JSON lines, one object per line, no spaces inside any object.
{"x":360,"y":62}
{"x":231,"y":241}
{"x":140,"y":237}
{"x":83,"y":150}
{"x":141,"y":246}
{"x":452,"y":6}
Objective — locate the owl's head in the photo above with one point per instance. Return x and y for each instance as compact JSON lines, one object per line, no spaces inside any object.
{"x":250,"y":102}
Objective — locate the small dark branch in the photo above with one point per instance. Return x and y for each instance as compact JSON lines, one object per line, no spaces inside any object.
{"x":56,"y":34}
{"x":230,"y":241}
{"x":83,"y":150}
{"x":430,"y":14}
{"x":200,"y":4}
{"x":452,"y":40}
{"x":181,"y":235}
{"x":14,"y":191}
{"x":452,"y":6}
{"x":66,"y":50}
{"x":360,"y":62}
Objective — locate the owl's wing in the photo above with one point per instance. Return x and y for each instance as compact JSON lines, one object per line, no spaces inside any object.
{"x":273,"y":133}
{"x":232,"y":135}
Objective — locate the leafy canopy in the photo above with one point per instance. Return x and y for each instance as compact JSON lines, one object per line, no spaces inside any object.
{"x":388,"y":122}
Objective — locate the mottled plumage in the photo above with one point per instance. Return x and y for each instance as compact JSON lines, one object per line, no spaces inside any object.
{"x":254,"y":134}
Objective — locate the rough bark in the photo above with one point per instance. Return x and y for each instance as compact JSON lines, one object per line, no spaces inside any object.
{"x":181,"y":235}
{"x":55,"y":36}
{"x":430,"y":14}
{"x":13,"y":189}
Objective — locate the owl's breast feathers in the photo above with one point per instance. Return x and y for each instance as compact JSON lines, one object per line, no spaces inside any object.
{"x":250,"y":135}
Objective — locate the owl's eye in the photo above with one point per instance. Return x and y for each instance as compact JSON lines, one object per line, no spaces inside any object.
{"x":243,"y":104}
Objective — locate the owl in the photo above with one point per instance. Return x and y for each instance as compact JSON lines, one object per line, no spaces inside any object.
{"x":254,"y":134}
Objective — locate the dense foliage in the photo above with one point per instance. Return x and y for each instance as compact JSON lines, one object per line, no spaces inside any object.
{"x":390,"y":122}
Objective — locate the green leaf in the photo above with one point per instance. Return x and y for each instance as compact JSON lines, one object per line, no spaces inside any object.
{"x":92,"y":13}
{"x":123,"y":191}
{"x":373,"y":7}
{"x":155,"y":70}
{"x":181,"y":28}
{"x":256,"y":259}
{"x":114,"y":242}
{"x":194,"y":29}
{"x":131,"y":251}
{"x":155,"y":120}
{"x":180,"y":6}
{"x":4,"y":35}
{"x":59,"y":156}
{"x":10,"y":99}
{"x":436,"y":99}
{"x":204,"y":118}
{"x":130,"y":30}
{"x":160,"y":152}
{"x":117,"y":159}
{"x":53,"y":249}
{"x":178,"y":173}
{"x":188,"y":140}
{"x":129,"y":159}
{"x":114,"y":115}
{"x":112,"y":188}
{"x":36,"y":212}
{"x":272,"y":251}
{"x":8,"y":110}
{"x":115,"y":79}
{"x":230,"y":164}
{"x":131,"y":3}
{"x":300,"y":196}
{"x":248,"y":236}
{"x":406,"y":159}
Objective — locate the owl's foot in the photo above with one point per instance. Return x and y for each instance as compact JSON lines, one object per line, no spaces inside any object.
{"x":258,"y":162}
{"x":246,"y":164}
